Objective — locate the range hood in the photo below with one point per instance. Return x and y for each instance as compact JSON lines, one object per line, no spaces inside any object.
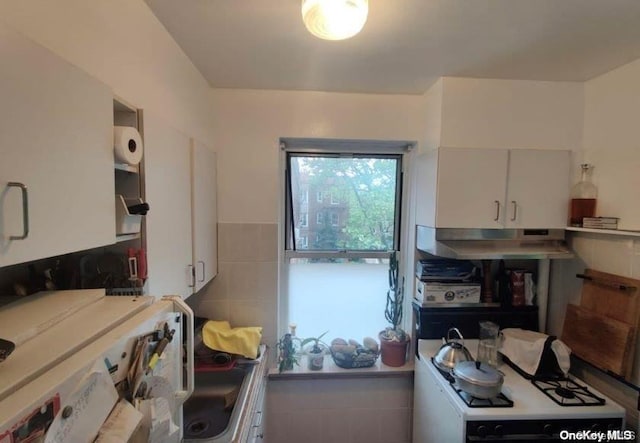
{"x":477,"y":244}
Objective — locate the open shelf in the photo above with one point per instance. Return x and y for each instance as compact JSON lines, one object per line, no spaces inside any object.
{"x":617,"y":232}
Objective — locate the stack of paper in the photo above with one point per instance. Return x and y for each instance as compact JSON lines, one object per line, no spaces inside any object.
{"x":600,"y":222}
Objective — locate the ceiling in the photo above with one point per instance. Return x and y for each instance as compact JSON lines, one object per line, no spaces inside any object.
{"x":405,"y":44}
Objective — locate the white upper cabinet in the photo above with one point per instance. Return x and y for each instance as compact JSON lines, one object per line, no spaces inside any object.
{"x":56,"y":155}
{"x":538,"y":189}
{"x":181,"y":226}
{"x":204,"y":214}
{"x":492,"y":188}
{"x":471,"y":188}
{"x":167,"y":172}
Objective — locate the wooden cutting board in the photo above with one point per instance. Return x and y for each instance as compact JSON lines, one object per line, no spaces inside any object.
{"x":603,"y":329}
{"x":29,"y":316}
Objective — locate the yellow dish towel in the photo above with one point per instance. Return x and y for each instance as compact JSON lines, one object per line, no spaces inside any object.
{"x":220,"y":336}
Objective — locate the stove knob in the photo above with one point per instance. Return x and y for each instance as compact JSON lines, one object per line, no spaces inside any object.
{"x":482,"y":431}
{"x":595,"y":428}
{"x":548,"y":429}
{"x":498,"y":430}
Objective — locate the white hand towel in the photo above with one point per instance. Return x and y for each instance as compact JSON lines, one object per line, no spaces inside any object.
{"x":524,"y":349}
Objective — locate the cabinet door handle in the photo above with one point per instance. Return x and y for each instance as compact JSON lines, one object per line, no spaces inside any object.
{"x":192,"y":275}
{"x":202,"y":263}
{"x":515,"y":210}
{"x":497,"y":210}
{"x":25,"y":210}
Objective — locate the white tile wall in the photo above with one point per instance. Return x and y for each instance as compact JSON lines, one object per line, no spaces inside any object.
{"x":245,"y":290}
{"x":353,"y":410}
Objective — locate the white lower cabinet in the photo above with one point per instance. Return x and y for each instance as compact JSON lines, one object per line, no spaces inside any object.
{"x":56,"y":155}
{"x":435,"y":420}
{"x":258,"y":422}
{"x":180,"y":187}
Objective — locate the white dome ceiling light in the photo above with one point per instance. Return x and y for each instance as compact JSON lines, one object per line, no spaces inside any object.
{"x":334,"y":19}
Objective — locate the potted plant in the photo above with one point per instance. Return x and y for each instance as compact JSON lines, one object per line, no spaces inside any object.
{"x":394,"y":340}
{"x":286,"y":353}
{"x":315,"y":354}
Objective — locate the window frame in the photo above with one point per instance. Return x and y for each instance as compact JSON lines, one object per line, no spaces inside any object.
{"x":403,"y":148}
{"x":290,"y":251}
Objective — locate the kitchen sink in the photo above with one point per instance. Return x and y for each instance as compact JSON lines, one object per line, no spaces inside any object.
{"x":212,"y":413}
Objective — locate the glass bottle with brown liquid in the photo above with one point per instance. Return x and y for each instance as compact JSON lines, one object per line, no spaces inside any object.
{"x":583,"y":198}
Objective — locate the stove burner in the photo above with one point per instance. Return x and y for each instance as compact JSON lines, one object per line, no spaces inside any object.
{"x":567,"y":392}
{"x":564,"y":392}
{"x":447,"y":375}
{"x":500,"y":401}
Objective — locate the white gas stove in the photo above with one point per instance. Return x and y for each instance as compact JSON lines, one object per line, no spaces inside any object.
{"x":441,"y":414}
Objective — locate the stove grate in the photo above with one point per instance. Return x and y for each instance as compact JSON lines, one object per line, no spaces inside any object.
{"x":567,"y":392}
{"x":501,"y":401}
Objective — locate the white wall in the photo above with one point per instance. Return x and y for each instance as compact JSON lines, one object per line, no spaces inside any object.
{"x":249,"y":123}
{"x":121,"y":43}
{"x":432,"y":103}
{"x":487,"y":113}
{"x":612,"y":142}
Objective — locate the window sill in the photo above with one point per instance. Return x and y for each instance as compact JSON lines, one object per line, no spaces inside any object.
{"x":332,"y":371}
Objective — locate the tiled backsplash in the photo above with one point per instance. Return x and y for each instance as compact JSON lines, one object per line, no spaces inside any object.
{"x":354,"y":410}
{"x":245,"y":290}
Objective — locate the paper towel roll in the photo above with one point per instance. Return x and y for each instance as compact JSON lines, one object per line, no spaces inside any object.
{"x":127,"y":145}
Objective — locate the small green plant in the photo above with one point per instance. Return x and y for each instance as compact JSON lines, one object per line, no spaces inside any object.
{"x":286,"y":353}
{"x":316,"y":348}
{"x":395,"y":302}
{"x":289,"y":345}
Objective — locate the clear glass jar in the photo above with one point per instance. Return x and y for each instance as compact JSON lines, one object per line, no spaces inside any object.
{"x":583,"y":198}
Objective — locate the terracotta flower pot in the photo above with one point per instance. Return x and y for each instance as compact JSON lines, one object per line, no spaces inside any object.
{"x":393,"y":353}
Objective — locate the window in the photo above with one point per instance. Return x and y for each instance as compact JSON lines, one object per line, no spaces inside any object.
{"x":336,"y":279}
